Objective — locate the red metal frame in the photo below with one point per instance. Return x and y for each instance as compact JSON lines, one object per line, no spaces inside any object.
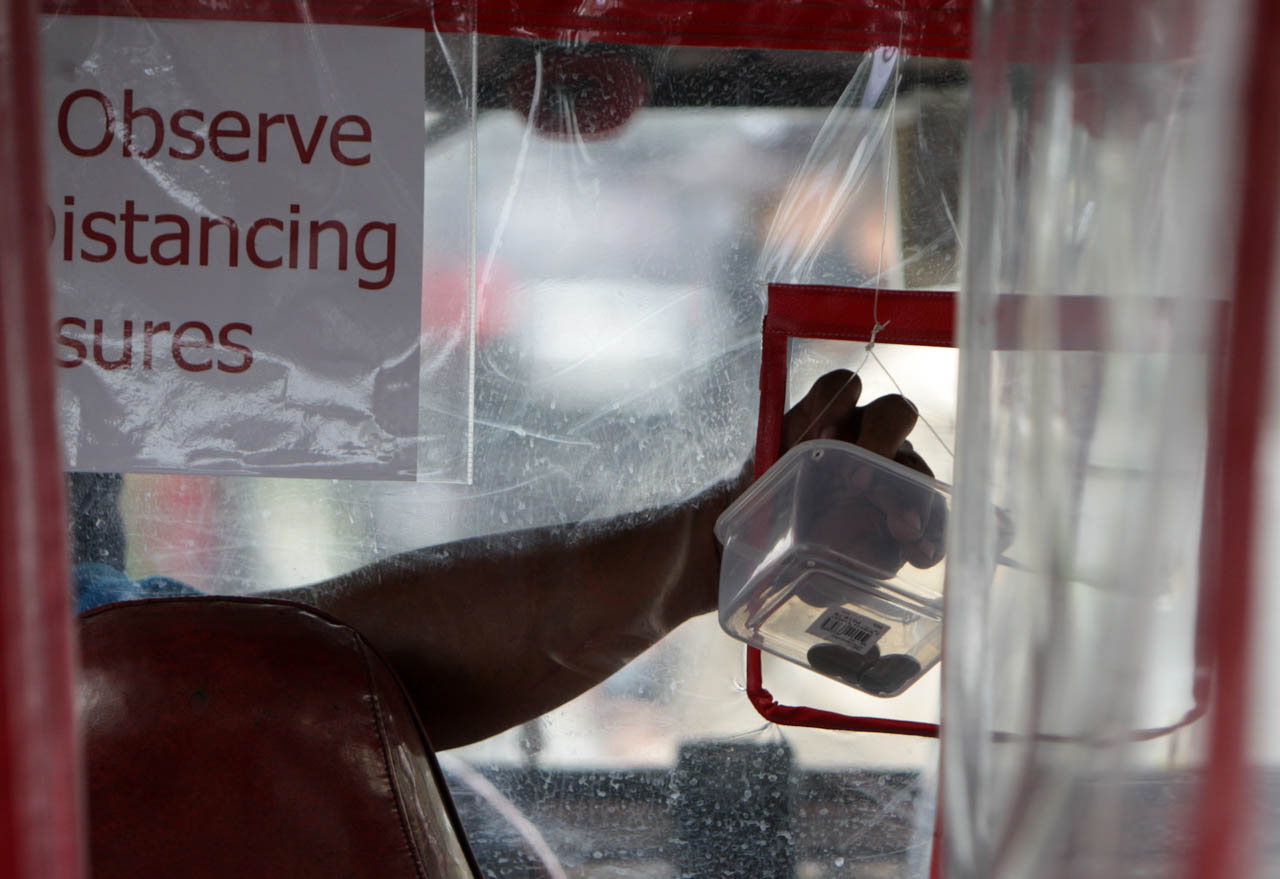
{"x":39,"y":760}
{"x":928,"y":28}
{"x":927,"y":318}
{"x":934,"y":28}
{"x":906,"y":317}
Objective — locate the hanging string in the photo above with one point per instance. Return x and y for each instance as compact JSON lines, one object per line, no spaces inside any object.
{"x":871,"y":343}
{"x":923,"y":420}
{"x":877,"y":324}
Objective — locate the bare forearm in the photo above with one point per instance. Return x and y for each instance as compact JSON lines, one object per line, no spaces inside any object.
{"x":490,"y":632}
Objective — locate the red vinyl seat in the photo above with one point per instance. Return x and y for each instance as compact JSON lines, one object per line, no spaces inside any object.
{"x":240,"y":737}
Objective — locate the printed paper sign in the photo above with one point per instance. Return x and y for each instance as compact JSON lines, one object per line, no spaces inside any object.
{"x":235,"y":233}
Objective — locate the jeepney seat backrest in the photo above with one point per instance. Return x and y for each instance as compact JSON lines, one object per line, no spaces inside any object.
{"x":253,"y":738}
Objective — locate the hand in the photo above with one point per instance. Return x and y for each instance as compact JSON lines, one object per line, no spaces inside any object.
{"x":885,"y":523}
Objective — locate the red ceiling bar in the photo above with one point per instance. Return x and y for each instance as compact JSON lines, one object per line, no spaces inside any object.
{"x":930,"y":28}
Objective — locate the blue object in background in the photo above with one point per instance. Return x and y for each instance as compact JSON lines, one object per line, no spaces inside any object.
{"x":97,"y":584}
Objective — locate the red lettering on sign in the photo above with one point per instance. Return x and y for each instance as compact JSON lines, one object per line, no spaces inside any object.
{"x":181,"y":343}
{"x":337,"y":138}
{"x":149,"y":331}
{"x":226,"y":129}
{"x":108,"y":122}
{"x":130,"y":137}
{"x":306,"y":153}
{"x":126,"y":347}
{"x":251,"y":243}
{"x":197,"y":142}
{"x":76,"y":346}
{"x":224,"y":339}
{"x":220,"y":130}
{"x":230,"y":355}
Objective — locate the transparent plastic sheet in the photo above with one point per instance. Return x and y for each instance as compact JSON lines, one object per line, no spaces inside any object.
{"x":874,"y":204}
{"x":1097,"y":279}
{"x":367,"y":394}
{"x":617,"y":290}
{"x":622,"y":267}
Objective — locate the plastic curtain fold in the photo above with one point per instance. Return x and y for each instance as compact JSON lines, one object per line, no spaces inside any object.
{"x":1098,"y":192}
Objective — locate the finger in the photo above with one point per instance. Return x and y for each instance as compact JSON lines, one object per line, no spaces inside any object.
{"x":906,"y":506}
{"x":909,"y":457}
{"x":910,"y":514}
{"x":830,"y":405}
{"x":932,"y":546}
{"x":874,"y":549}
{"x":857,"y":529}
{"x":1005,"y":532}
{"x":886,"y":423}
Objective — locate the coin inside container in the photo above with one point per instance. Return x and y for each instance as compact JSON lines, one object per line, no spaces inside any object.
{"x":842,"y":663}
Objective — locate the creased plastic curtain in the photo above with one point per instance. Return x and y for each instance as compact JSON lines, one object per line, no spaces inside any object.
{"x":1096,"y":274}
{"x":872,"y":204}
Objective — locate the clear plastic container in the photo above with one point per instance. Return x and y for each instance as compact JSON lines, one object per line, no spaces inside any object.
{"x":815,"y":569}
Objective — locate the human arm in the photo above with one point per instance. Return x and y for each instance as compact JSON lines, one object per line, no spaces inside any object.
{"x":489,"y":632}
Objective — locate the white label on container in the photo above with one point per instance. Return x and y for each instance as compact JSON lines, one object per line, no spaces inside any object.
{"x":235,"y":231}
{"x":848,"y":628}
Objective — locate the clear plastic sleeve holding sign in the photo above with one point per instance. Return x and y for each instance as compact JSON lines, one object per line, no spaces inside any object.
{"x":241,"y":270}
{"x":812,"y":570}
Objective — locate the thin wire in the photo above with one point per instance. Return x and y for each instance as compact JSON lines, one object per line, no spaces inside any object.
{"x":877,"y":325}
{"x":875,"y":304}
{"x":884,"y":198}
{"x":818,"y":416}
{"x":923,"y":420}
{"x":871,"y":343}
{"x":500,"y":803}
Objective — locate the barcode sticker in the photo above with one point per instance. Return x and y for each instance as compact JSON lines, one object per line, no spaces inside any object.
{"x":848,"y":628}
